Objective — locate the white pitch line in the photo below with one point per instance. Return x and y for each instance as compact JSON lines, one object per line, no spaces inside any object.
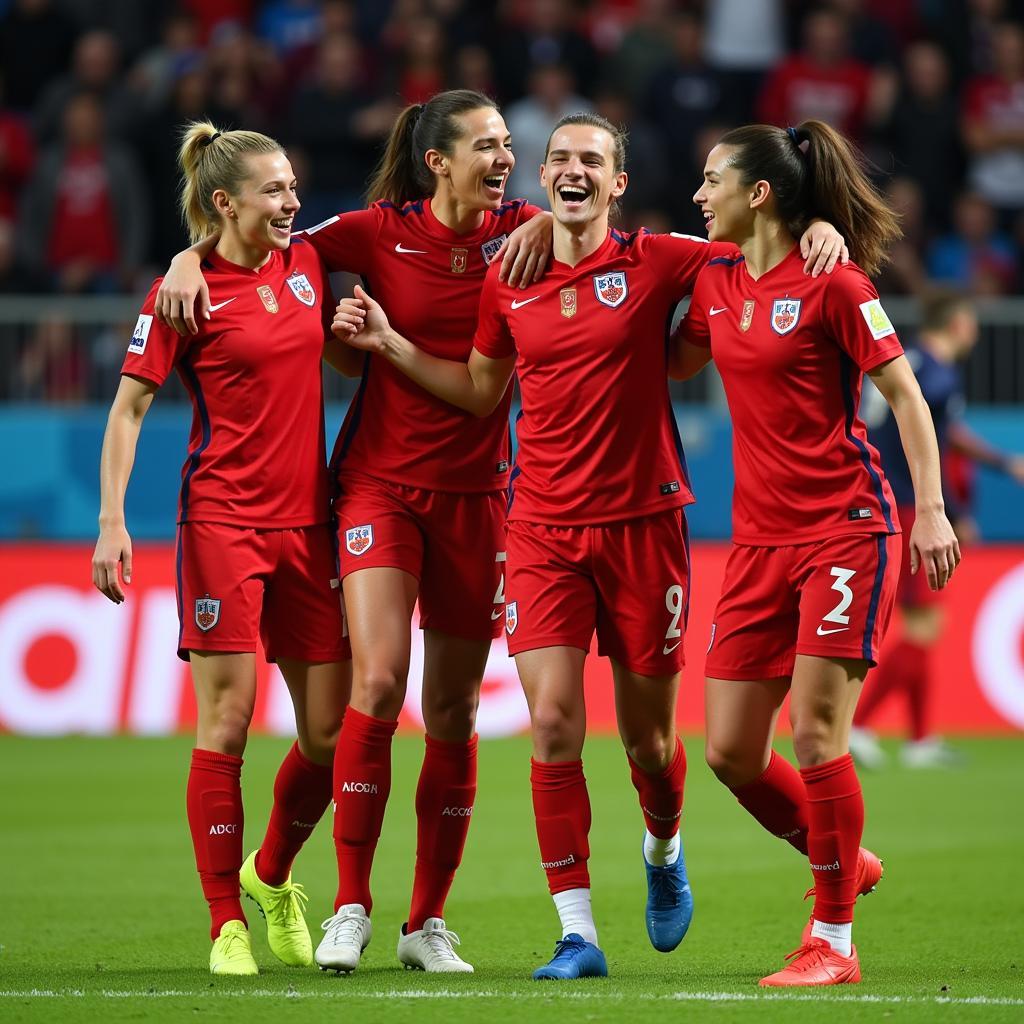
{"x":547,"y":994}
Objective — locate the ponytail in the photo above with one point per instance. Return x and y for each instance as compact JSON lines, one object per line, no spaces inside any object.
{"x":209,"y":160}
{"x":402,"y":174}
{"x":815,"y":172}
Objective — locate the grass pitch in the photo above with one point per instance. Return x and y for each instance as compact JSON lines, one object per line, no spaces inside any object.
{"x":102,"y":917}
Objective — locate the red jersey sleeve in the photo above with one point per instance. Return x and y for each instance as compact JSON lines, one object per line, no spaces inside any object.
{"x":493,"y":338}
{"x":856,"y":321}
{"x":694,"y":327}
{"x":346,"y":242}
{"x":677,"y":259}
{"x":154,"y":348}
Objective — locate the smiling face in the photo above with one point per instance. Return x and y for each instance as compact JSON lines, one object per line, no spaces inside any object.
{"x":262,"y":211}
{"x":727,"y":204}
{"x":481,"y":160}
{"x":580,"y":175}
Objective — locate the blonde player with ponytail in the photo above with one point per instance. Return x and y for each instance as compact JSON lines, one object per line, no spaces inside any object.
{"x":255,"y":559}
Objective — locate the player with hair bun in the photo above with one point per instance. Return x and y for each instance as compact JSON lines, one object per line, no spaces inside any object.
{"x":255,"y":556}
{"x":811,"y":580}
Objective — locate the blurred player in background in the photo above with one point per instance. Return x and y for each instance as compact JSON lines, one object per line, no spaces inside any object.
{"x":420,"y":500}
{"x":596,"y":534}
{"x":949,"y":332}
{"x":811,"y":580}
{"x":255,"y":556}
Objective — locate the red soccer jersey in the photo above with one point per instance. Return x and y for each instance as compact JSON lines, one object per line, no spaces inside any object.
{"x":597,"y":437}
{"x":792,"y":350}
{"x":256,"y":451}
{"x":428,"y":279}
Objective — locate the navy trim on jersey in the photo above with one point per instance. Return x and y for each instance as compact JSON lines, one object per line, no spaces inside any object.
{"x":177,"y":573}
{"x":192,"y":381}
{"x":414,"y":207}
{"x":348,"y":429}
{"x":516,"y":470}
{"x":512,"y":204}
{"x":846,"y":384}
{"x":689,"y":575}
{"x":680,"y":452}
{"x":876,"y":592}
{"x":725,"y":261}
{"x":627,"y":240}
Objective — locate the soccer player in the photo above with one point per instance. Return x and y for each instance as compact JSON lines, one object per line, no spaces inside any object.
{"x":255,"y":554}
{"x":595,"y":539}
{"x":420,"y":503}
{"x":949,"y":332}
{"x":811,"y":579}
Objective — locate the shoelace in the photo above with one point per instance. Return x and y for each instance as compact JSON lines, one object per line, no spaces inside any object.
{"x":665,"y":888}
{"x":807,"y":957}
{"x":442,"y":947}
{"x":235,"y":946}
{"x":294,"y":900}
{"x":342,"y":927}
{"x":565,"y":948}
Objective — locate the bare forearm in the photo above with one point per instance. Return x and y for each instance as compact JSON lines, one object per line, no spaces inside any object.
{"x":116,"y":461}
{"x":917,"y":435}
{"x":449,"y":380}
{"x":975,"y":448}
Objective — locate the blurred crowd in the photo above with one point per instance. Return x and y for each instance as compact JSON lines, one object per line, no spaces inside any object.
{"x":93,"y":94}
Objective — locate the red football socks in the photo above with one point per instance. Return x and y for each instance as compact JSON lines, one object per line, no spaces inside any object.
{"x":561,"y":806}
{"x":778,"y":800}
{"x":302,"y":791}
{"x":836,"y":817}
{"x":362,"y":782}
{"x":214,"y":805}
{"x":444,"y":806}
{"x":904,"y":667}
{"x":661,"y":793}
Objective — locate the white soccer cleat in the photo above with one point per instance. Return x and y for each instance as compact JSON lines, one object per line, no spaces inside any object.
{"x":866,"y":750}
{"x":346,"y":935}
{"x":931,"y":752}
{"x":431,"y":949}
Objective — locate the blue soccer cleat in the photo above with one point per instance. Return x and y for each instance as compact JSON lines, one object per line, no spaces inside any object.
{"x":574,"y":958}
{"x":669,"y":903}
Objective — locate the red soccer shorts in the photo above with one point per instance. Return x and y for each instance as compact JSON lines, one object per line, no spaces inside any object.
{"x":629,"y":581}
{"x":831,"y":598}
{"x":913,"y":591}
{"x":237,"y":584}
{"x":452,"y":543}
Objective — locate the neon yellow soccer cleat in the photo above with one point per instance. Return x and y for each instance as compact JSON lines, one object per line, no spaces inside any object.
{"x":231,"y":953}
{"x":282,"y":906}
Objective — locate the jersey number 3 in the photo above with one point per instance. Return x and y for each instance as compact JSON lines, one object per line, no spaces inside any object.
{"x":842,"y":577}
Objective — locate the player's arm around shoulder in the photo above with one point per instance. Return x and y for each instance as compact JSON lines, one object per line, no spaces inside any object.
{"x":689,"y":347}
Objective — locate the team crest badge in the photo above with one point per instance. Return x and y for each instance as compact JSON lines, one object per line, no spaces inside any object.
{"x":511,"y":617}
{"x":567,"y":301}
{"x":207,"y":612}
{"x":747,"y":317}
{"x":459,"y":257}
{"x":611,"y":289}
{"x":490,"y":248}
{"x":266,"y":293}
{"x":359,"y":539}
{"x":785,"y":315}
{"x":302,"y":289}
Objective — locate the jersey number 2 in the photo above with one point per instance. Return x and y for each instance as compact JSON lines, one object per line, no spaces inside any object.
{"x":674,"y":604}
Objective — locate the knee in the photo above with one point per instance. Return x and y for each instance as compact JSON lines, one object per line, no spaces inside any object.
{"x":226,"y":729}
{"x":815,"y":741}
{"x":379,"y":691}
{"x":733,"y":766}
{"x":450,"y":716}
{"x":554,"y":735}
{"x":320,"y":741}
{"x":653,"y":752}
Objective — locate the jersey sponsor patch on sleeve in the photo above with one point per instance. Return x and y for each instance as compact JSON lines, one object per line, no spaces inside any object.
{"x":875,"y":317}
{"x":141,"y":334}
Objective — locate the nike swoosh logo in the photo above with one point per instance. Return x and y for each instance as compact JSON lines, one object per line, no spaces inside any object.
{"x":668,"y":650}
{"x":714,"y":312}
{"x":516,"y":303}
{"x":825,"y":632}
{"x":495,"y":615}
{"x":221,"y":305}
{"x":417,"y":252}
